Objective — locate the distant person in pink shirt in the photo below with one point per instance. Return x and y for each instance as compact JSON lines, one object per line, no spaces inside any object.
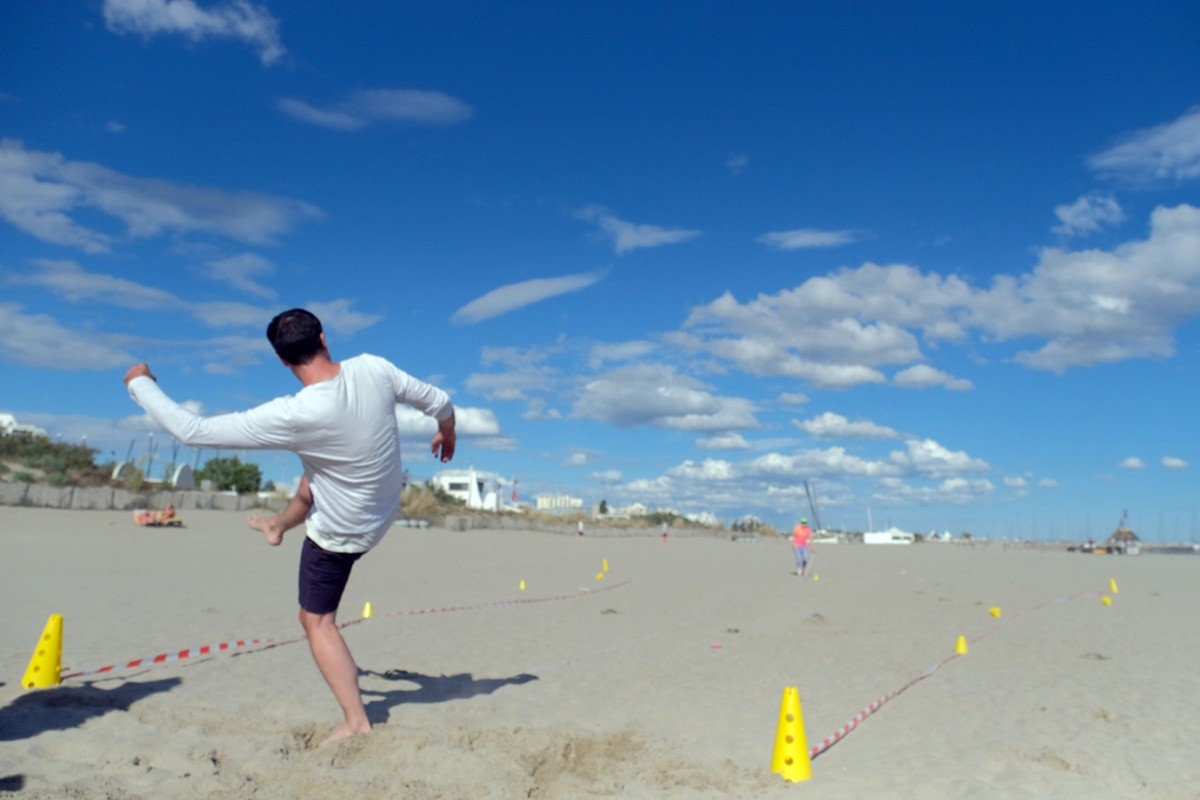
{"x":801,"y":536}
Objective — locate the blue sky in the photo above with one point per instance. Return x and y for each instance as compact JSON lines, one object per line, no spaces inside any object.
{"x":942,"y":262}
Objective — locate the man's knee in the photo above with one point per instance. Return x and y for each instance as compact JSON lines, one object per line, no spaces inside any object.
{"x":311,"y":621}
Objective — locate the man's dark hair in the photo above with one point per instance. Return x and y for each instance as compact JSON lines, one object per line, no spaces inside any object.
{"x":296,"y":336}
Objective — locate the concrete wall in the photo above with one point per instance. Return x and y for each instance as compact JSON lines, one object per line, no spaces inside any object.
{"x":109,"y":499}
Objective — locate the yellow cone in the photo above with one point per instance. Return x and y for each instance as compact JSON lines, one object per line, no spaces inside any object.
{"x":791,"y":758}
{"x":816,"y":577}
{"x":45,"y":668}
{"x":521,"y":586}
{"x":960,"y":647}
{"x":1112,"y":585}
{"x":604,"y":566}
{"x":367,"y":612}
{"x":1106,"y":600}
{"x":599,"y":576}
{"x":995,"y":611}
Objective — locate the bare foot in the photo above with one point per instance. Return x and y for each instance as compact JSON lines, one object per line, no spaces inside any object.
{"x":345,"y":731}
{"x":269,"y":527}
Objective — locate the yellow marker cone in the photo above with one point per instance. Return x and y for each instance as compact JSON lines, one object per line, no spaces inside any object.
{"x":521,"y":586}
{"x":599,"y":576}
{"x":1106,"y":600}
{"x":960,"y":647}
{"x":995,"y":611}
{"x":791,"y":758}
{"x":367,"y":612}
{"x":816,"y":577}
{"x":45,"y":667}
{"x":605,"y":565}
{"x":1112,"y":585}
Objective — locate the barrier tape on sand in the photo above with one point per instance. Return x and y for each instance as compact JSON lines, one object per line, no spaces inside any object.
{"x":265,"y":643}
{"x":842,"y":732}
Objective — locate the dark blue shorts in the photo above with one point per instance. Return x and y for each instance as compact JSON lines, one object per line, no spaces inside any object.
{"x":323,"y":577}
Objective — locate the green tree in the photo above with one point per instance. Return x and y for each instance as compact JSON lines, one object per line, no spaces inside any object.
{"x":231,"y":473}
{"x":603,"y":508}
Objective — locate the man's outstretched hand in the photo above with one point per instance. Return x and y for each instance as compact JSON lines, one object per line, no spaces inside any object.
{"x":444,"y":440}
{"x":137,"y":371}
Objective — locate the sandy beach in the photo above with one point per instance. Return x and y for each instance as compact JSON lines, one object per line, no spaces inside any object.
{"x":660,"y":677}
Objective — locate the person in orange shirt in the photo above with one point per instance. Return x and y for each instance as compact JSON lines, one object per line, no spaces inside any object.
{"x":801,"y":536}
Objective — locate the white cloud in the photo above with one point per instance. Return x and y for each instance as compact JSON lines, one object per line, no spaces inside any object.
{"x":518,"y":295}
{"x":657,"y":395}
{"x":707,"y":470}
{"x":1133,"y":462}
{"x":607,"y":476}
{"x":1171,"y":462}
{"x":601,"y":354}
{"x":366,"y":106}
{"x":808,"y":238}
{"x":1048,"y":483}
{"x":724,"y":441}
{"x":830,"y":425}
{"x":240,"y":272}
{"x":737,"y":164}
{"x":338,"y":317}
{"x":928,"y":458}
{"x":955,"y":491}
{"x":468,"y":422}
{"x":226,"y":314}
{"x":1088,"y":214}
{"x":1165,"y":152}
{"x":630,"y":236}
{"x":1079,"y":308}
{"x":37,"y":340}
{"x":69,"y":281}
{"x":793,"y":398}
{"x":39,"y":193}
{"x":232,"y":20}
{"x":923,"y":376}
{"x":527,"y":375}
{"x":576,"y":459}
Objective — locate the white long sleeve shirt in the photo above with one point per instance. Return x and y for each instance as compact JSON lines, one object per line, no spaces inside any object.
{"x":344,"y":430}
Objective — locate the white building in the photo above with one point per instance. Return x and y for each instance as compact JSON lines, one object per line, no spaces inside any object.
{"x":557,"y":503}
{"x":9,"y":424}
{"x":892,"y":535}
{"x":471,"y":486}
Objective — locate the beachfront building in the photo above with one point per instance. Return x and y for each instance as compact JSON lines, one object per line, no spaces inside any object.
{"x":557,"y":503}
{"x":471,"y":487}
{"x":9,"y":426}
{"x":630,"y":511}
{"x":892,"y":535}
{"x":706,"y":518}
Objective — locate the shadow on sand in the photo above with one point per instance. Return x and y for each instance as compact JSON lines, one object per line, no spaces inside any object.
{"x":429,"y":689}
{"x":65,"y":707}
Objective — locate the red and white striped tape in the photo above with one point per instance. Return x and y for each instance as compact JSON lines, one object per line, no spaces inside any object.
{"x":841,"y":733}
{"x":264,"y":643}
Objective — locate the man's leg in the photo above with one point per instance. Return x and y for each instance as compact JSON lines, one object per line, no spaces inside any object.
{"x":339,"y":670}
{"x":273,"y":527}
{"x":322,"y":580}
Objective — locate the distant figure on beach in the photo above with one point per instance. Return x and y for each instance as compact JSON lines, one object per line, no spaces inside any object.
{"x":580,"y":529}
{"x":801,"y":536}
{"x":167,"y":515}
{"x":665,"y":528}
{"x":342,"y":424}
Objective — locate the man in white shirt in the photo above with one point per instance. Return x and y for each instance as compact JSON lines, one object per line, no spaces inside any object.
{"x":342,"y":424}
